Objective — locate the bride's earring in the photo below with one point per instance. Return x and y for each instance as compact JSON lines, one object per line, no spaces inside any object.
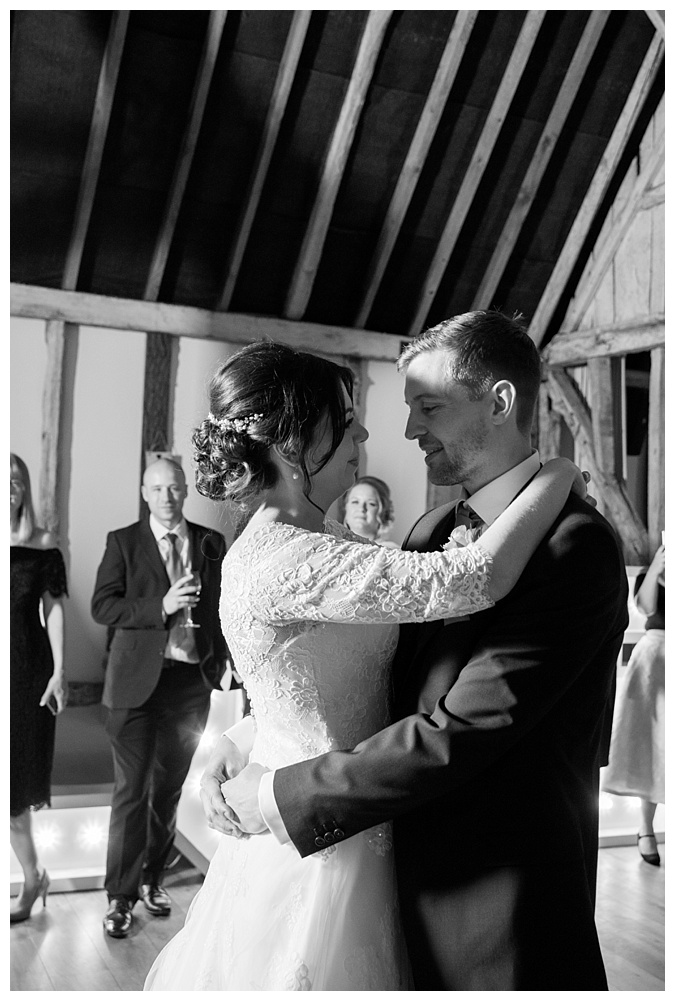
{"x":296,"y":475}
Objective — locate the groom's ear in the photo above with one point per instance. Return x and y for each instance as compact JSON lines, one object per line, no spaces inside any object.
{"x":503,"y":395}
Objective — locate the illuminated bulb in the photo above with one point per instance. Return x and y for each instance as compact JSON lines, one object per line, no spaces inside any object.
{"x":606,"y":802}
{"x":91,"y":834}
{"x":47,"y":835}
{"x":193,"y":785}
{"x":632,"y":802}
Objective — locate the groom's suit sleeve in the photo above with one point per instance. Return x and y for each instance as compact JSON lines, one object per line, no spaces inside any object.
{"x":560,"y":627}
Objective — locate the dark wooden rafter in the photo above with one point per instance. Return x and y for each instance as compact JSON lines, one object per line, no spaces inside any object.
{"x":307,"y":264}
{"x":476,"y":169}
{"x":602,"y":178}
{"x":189,"y":321}
{"x":541,"y":157}
{"x":656,"y":450}
{"x":105,"y":94}
{"x":415,"y":159}
{"x":575,"y":347}
{"x":279,"y":100}
{"x":179,"y":181}
{"x":568,"y":401}
{"x":604,"y":254}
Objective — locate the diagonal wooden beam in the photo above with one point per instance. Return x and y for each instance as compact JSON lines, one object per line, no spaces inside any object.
{"x":479,"y":161}
{"x":597,"y":267}
{"x":91,"y":169}
{"x":333,"y":169}
{"x":605,"y":170}
{"x":567,"y":400}
{"x":279,"y":100}
{"x":658,"y":19}
{"x":541,"y":157}
{"x":417,"y":154}
{"x":200,"y":94}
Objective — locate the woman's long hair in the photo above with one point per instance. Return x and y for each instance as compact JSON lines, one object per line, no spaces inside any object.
{"x":26,"y":513}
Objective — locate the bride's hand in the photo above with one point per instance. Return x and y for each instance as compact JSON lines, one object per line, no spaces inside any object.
{"x":225,"y":762}
{"x":580,"y":478}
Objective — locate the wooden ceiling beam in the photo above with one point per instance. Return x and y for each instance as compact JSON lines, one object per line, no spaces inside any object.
{"x":417,"y":154}
{"x":597,"y":189}
{"x":91,"y":169}
{"x":541,"y":157}
{"x":597,"y":267}
{"x":476,"y":169}
{"x":307,"y":264}
{"x":277,"y":109}
{"x":186,"y":154}
{"x":577,"y":346}
{"x":93,"y":310}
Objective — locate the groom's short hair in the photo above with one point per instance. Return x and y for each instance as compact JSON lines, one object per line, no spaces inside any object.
{"x":483,"y":347}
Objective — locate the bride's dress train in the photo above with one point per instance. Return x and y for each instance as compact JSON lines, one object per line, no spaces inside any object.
{"x":311,"y":620}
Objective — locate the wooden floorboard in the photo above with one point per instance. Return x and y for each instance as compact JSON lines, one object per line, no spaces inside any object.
{"x":63,"y":947}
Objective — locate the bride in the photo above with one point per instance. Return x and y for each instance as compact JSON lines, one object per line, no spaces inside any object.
{"x":311,"y":612}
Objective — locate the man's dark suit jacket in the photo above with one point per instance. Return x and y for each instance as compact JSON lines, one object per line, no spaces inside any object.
{"x":130,"y":584}
{"x":492,"y":770}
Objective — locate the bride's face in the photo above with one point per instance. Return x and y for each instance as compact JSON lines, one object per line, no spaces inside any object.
{"x":340,"y":471}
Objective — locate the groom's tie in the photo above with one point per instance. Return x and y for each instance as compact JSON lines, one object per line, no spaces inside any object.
{"x":465,"y":515}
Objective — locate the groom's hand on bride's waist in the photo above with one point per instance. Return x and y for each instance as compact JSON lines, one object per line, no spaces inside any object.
{"x":241,"y":796}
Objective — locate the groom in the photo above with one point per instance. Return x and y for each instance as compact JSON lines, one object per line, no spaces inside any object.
{"x":491,"y":772}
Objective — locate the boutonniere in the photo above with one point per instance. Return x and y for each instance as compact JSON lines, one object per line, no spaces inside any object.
{"x":461,"y":536}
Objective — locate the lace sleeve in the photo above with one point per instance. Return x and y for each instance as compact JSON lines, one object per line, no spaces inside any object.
{"x":295,"y":575}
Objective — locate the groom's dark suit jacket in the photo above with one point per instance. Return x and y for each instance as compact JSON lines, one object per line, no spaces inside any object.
{"x":492,"y":772}
{"x":130,"y":584}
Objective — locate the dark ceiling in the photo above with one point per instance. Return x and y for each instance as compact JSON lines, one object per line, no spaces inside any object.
{"x":57,"y":59}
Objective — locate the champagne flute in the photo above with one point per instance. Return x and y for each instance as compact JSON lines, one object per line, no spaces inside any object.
{"x":197,"y":581}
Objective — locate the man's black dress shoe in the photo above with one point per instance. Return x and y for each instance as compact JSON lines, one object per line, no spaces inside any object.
{"x":155,"y":899}
{"x":117,"y":920}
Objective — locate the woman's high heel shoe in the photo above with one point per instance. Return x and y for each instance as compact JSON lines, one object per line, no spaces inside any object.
{"x":652,"y":857}
{"x":25,"y":900}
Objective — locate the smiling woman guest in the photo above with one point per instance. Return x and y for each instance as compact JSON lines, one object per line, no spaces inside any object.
{"x":368,"y":510}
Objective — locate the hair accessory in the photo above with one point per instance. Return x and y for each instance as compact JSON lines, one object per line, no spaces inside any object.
{"x":237,"y":424}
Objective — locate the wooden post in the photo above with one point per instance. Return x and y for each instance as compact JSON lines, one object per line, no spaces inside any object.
{"x":549,"y":427}
{"x":656,"y":451}
{"x":52,"y":402}
{"x":161,"y":356}
{"x":606,"y":395}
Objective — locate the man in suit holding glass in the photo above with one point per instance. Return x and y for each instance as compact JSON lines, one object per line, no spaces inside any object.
{"x":157,"y":590}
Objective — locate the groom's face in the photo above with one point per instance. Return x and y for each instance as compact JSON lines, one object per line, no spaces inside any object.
{"x":451,"y":429}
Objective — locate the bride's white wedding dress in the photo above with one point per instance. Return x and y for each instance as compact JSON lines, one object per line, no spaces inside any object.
{"x":312,"y":622}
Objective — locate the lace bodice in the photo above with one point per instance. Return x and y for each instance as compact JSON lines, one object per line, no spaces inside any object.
{"x":312,"y":621}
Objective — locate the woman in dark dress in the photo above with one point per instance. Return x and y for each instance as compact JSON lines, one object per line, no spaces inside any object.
{"x":37,"y":683}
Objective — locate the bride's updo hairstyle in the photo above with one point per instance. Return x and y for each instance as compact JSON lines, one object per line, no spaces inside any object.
{"x":267,"y":394}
